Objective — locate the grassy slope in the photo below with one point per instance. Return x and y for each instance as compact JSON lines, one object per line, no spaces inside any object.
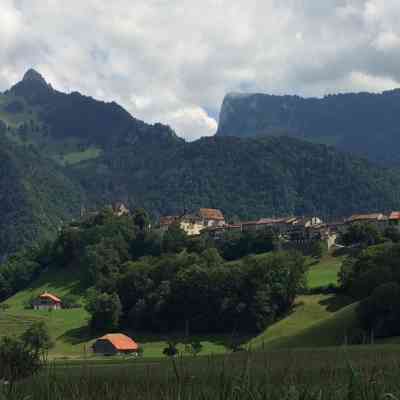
{"x":317,"y":320}
{"x":68,"y":327}
{"x":325,"y":272}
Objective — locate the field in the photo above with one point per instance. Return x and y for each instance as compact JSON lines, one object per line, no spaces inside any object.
{"x":346,"y":373}
{"x":325,"y":272}
{"x":316,"y":320}
{"x":302,"y":356}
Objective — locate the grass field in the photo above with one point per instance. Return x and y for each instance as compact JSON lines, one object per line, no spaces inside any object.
{"x":78,"y":156}
{"x":324,"y":272}
{"x":316,"y":320}
{"x":346,"y":373}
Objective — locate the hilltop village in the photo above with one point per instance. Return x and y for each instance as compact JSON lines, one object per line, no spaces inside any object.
{"x":292,"y":230}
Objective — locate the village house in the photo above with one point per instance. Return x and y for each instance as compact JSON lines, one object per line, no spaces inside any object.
{"x":47,"y":301}
{"x":394,"y":219}
{"x":115,"y":343}
{"x":119,"y":209}
{"x":191,"y":224}
{"x":379,"y":220}
{"x":211,"y":217}
{"x":217,"y":232}
{"x":194,"y":224}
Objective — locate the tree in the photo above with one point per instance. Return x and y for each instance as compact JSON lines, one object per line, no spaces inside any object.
{"x":24,"y":356}
{"x":362,"y":234}
{"x":141,"y":219}
{"x":196,"y":347}
{"x":380,"y":312}
{"x":317,"y":249}
{"x":171,"y":350}
{"x":392,"y":233}
{"x":105,"y":310}
{"x":17,"y":361}
{"x":175,"y":239}
{"x":37,"y":338}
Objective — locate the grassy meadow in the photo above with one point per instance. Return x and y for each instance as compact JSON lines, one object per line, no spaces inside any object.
{"x":316,"y":320}
{"x":324,"y":272}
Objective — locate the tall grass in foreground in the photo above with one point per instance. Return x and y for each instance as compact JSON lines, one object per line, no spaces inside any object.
{"x":297,"y":375}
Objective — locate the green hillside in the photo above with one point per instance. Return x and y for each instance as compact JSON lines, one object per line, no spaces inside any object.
{"x":317,"y":320}
{"x":325,"y":272}
{"x":61,"y":151}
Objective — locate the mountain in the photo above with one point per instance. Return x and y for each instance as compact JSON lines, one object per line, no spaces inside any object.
{"x":62,"y":151}
{"x":363,"y":123}
{"x":246,"y":178}
{"x":36,"y":197}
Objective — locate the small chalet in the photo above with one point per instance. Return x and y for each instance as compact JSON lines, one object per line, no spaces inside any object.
{"x":47,"y":301}
{"x":115,"y":343}
{"x":211,"y":217}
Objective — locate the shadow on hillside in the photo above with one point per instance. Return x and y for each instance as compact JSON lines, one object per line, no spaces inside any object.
{"x":78,"y":335}
{"x":336,"y":303}
{"x":60,"y":279}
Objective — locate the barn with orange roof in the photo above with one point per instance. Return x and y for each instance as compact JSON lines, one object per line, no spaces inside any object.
{"x":114,"y":343}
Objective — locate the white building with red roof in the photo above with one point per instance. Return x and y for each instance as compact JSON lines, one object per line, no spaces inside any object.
{"x":47,"y":301}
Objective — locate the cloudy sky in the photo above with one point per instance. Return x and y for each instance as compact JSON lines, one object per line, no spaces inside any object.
{"x":174,"y":60}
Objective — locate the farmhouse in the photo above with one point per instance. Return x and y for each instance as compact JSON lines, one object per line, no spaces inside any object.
{"x":115,"y":343}
{"x":211,"y":217}
{"x":47,"y":301}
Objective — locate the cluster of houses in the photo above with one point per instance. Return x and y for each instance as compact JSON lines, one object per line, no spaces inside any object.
{"x":298,"y":230}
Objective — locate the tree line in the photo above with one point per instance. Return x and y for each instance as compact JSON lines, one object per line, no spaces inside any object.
{"x":144,"y":279}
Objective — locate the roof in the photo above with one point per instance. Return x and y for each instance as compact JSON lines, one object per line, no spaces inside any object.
{"x":366,"y":217}
{"x":394,"y":215}
{"x":168,"y":220}
{"x":211,"y":213}
{"x":120,"y":341}
{"x":50,"y":296}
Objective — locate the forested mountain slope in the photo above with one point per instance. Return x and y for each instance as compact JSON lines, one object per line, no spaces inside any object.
{"x":61,"y":151}
{"x":364,"y":123}
{"x":246,"y":178}
{"x":36,"y":197}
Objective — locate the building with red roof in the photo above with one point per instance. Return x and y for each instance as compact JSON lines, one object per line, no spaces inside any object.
{"x":47,"y":301}
{"x":114,"y":343}
{"x":211,"y":217}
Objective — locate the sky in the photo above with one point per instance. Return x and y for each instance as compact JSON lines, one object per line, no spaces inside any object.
{"x":172,"y":61}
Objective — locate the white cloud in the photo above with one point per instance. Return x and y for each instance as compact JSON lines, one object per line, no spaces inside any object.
{"x":192,"y":122}
{"x":171,"y":60}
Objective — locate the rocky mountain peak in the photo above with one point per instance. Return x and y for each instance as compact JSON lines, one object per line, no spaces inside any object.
{"x":33,"y":76}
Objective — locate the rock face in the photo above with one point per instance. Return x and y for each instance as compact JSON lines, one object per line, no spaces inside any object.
{"x":363,"y":123}
{"x":34,"y":76}
{"x":33,"y":87}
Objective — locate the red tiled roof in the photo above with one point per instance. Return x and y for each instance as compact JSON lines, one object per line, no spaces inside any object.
{"x":366,"y":217}
{"x":395,"y":215}
{"x":50,"y":296}
{"x":120,"y":341}
{"x":211,"y":213}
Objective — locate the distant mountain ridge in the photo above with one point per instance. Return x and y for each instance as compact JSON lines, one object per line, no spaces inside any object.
{"x":60,"y":152}
{"x":366,"y":124}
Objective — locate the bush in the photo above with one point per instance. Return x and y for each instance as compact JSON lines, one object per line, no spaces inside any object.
{"x":71,"y":301}
{"x":380,"y":312}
